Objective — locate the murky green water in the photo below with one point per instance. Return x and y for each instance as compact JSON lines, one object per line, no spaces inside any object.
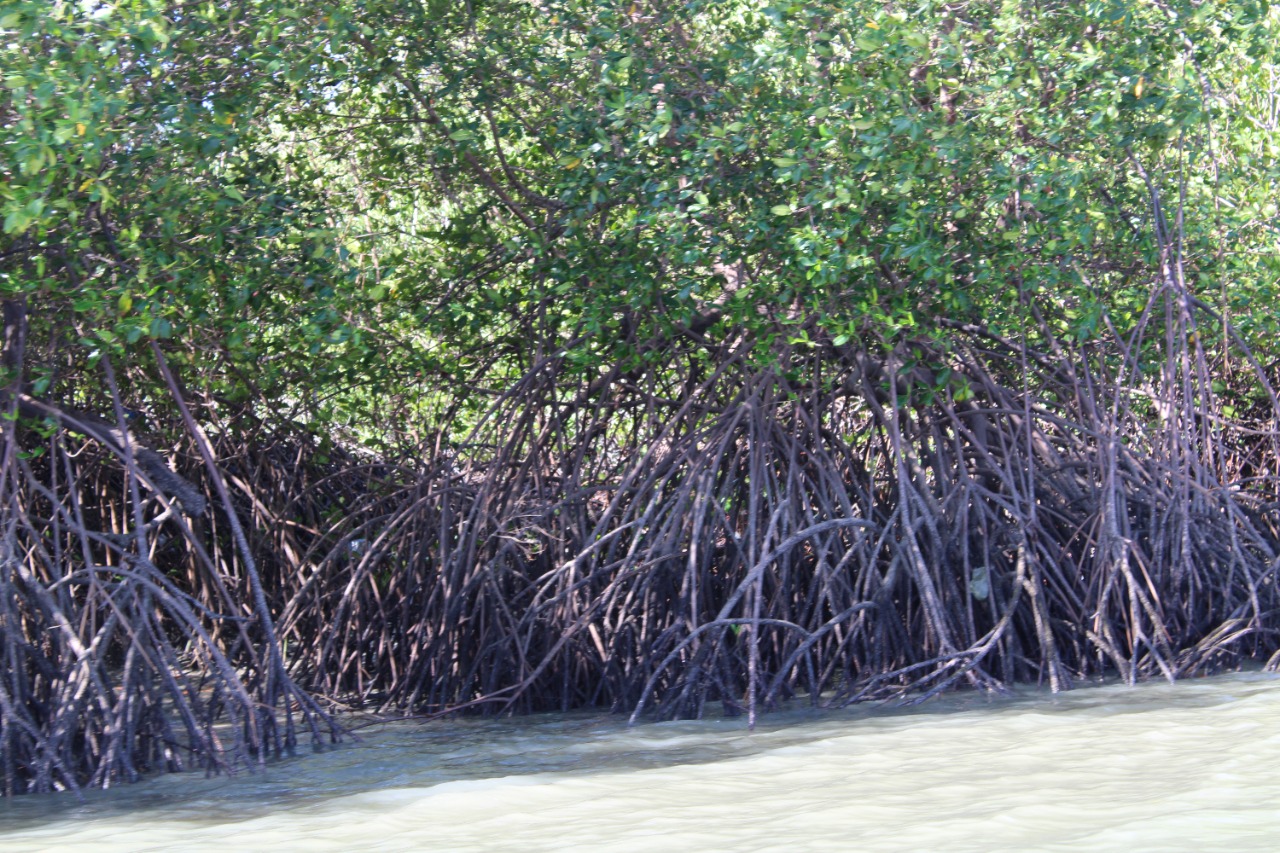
{"x":1191,"y":766}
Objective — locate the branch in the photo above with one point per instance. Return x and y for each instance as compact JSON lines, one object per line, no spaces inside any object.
{"x":157,"y":469}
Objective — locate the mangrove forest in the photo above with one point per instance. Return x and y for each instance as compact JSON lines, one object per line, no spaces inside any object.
{"x":667,"y":357}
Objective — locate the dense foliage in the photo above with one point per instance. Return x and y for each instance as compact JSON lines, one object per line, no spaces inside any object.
{"x":523,"y":355}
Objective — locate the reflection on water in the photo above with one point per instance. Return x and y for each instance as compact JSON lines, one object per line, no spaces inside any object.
{"x":1191,"y":766}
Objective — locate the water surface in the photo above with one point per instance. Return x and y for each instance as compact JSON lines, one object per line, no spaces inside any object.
{"x":1191,"y":766}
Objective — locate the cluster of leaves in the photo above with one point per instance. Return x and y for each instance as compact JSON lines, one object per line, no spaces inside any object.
{"x":145,"y":198}
{"x":610,"y":173}
{"x":356,"y":205}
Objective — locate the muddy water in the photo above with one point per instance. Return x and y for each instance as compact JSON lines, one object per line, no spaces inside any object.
{"x":1191,"y":766}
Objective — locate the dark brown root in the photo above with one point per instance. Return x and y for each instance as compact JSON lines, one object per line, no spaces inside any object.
{"x":855,"y":523}
{"x":128,"y":648}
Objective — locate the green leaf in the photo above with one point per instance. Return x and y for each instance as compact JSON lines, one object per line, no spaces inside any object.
{"x":16,"y":222}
